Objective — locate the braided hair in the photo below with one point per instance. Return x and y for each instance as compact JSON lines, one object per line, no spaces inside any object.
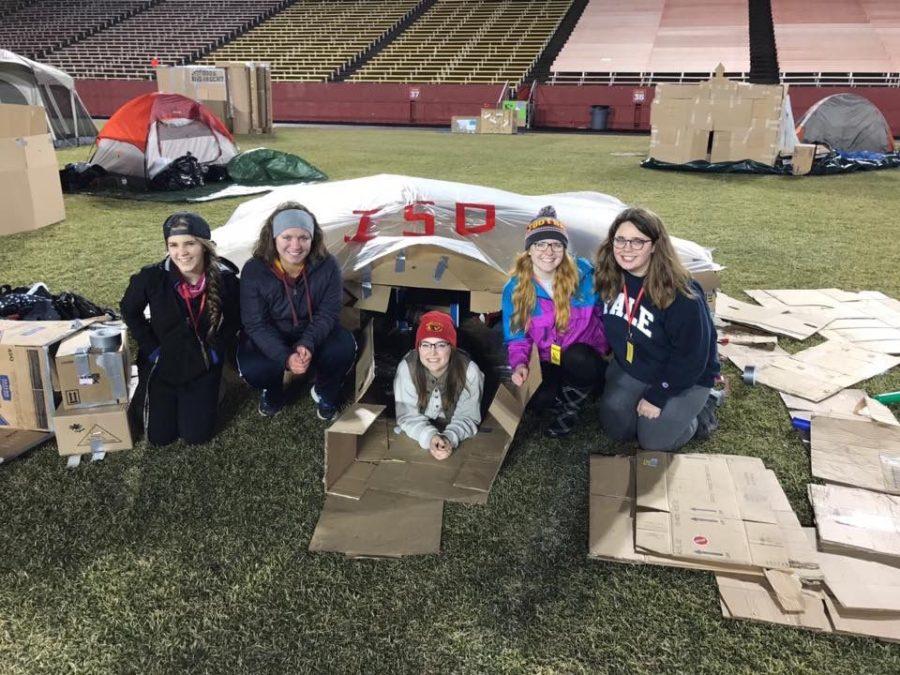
{"x":213,"y":287}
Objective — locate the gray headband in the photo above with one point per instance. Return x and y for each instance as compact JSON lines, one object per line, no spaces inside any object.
{"x":285,"y":220}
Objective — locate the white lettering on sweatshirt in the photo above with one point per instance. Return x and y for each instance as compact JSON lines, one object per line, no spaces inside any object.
{"x":641,"y":322}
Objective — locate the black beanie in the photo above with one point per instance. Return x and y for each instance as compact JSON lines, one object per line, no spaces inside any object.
{"x":185,"y":222}
{"x":545,"y":225}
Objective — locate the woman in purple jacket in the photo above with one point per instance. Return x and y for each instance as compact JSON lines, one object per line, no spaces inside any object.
{"x":550,"y":302}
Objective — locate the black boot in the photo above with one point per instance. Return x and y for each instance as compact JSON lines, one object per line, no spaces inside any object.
{"x":568,"y":404}
{"x":707,"y":422}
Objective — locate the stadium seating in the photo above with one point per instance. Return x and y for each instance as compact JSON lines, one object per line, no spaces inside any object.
{"x":174,"y":31}
{"x":493,"y":41}
{"x":312,"y":40}
{"x":36,"y":28}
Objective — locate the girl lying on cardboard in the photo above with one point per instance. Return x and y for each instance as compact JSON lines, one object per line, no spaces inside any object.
{"x":437,"y":389}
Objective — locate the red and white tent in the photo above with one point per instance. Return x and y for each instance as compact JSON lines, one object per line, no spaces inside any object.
{"x":147,"y":133}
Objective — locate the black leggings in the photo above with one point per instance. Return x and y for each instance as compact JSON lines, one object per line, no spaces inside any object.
{"x":581,"y":366}
{"x":187,"y":411}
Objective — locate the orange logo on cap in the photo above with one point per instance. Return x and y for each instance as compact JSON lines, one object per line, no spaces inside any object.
{"x":434,"y":327}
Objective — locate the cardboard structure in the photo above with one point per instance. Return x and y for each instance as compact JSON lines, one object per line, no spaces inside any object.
{"x":706,"y":512}
{"x":26,"y":370}
{"x":857,"y":522}
{"x":15,"y":442}
{"x":30,"y":190}
{"x":720,"y":121}
{"x":856,"y":452}
{"x":249,"y":96}
{"x":497,"y":121}
{"x":802,"y":159}
{"x":239,"y":93}
{"x":384,"y":494}
{"x":851,"y":404}
{"x":88,"y":378}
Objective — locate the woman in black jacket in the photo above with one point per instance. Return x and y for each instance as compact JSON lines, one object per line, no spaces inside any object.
{"x":194,"y":306}
{"x":290,"y":303}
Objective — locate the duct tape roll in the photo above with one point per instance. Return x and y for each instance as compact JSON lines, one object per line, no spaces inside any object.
{"x":749,"y":375}
{"x":106,"y":339}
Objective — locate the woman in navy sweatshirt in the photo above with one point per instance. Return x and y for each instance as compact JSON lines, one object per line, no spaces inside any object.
{"x":662,"y":337}
{"x":290,"y":303}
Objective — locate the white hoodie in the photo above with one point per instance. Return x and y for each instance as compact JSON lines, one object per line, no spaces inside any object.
{"x":420,"y":426}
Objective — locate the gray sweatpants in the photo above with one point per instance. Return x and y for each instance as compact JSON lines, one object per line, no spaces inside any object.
{"x":674,"y":427}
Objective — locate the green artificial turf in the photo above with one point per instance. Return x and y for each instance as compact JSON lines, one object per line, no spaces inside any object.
{"x":195,"y":559}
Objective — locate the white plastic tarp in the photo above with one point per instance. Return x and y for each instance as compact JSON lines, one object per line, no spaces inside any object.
{"x":365,"y":219}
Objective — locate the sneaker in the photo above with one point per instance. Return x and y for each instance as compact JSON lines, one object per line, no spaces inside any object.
{"x":270,"y":403}
{"x":324,"y":410}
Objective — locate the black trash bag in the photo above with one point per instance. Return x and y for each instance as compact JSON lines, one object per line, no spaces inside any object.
{"x":27,"y":307}
{"x":701,"y":166}
{"x":74,"y":306}
{"x":41,"y":305}
{"x":836,"y":162}
{"x":215,"y":173}
{"x":183,"y":173}
{"x":80,"y":176}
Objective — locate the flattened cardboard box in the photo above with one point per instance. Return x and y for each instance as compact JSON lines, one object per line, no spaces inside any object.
{"x":856,"y":452}
{"x":611,"y":531}
{"x":15,"y":442}
{"x":30,"y":190}
{"x":857,"y":522}
{"x":87,"y":378}
{"x":102,"y":429}
{"x":725,"y":508}
{"x":26,"y":379}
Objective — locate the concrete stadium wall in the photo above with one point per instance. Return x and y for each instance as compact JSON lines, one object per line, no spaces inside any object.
{"x":557,"y":106}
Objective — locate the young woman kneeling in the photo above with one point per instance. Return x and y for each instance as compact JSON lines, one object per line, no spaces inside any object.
{"x":437,"y":389}
{"x":662,"y":337}
{"x":290,"y":303}
{"x":194,"y":318}
{"x":549,"y":301}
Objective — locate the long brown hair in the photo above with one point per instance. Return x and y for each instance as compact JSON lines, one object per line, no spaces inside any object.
{"x":525,"y":297}
{"x":665,"y":276}
{"x":456,"y":380}
{"x":265,"y":246}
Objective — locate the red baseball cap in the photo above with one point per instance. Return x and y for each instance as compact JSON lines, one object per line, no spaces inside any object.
{"x":436,"y":325}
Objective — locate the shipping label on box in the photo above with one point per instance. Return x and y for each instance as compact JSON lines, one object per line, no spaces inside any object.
{"x":88,"y":378}
{"x":102,"y":429}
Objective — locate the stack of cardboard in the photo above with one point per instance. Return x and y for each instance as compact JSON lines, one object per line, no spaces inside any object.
{"x":718,"y":121}
{"x":497,"y":121}
{"x":239,"y":93}
{"x":30,"y":189}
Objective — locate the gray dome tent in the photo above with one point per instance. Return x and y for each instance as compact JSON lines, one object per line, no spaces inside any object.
{"x":846,"y":122}
{"x":27,"y":82}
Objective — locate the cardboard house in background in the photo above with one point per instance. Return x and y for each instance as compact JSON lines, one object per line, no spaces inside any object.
{"x":721,"y":121}
{"x":239,"y":93}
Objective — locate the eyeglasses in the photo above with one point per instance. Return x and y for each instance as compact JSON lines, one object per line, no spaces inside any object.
{"x":542,"y":246}
{"x":434,"y":346}
{"x":633,"y":244}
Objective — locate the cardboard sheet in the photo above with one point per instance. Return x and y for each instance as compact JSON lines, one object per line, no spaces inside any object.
{"x":852,"y":404}
{"x":857,"y":583}
{"x":725,"y":508}
{"x":380,"y":524}
{"x":748,"y":597}
{"x":857,"y":522}
{"x":856,"y":452}
{"x":16,"y":442}
{"x":824,"y":370}
{"x":773,"y":320}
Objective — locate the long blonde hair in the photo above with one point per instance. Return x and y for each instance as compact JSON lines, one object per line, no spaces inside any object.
{"x":666,"y":276}
{"x":524,"y":298}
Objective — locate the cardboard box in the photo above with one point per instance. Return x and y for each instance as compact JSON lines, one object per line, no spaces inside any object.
{"x":857,"y":522}
{"x":802,"y":160}
{"x":88,"y":378}
{"x":464,"y":125}
{"x":102,"y":429}
{"x":201,"y":83}
{"x":497,"y":121}
{"x":861,"y":453}
{"x":26,"y":377}
{"x":249,"y":96}
{"x":30,"y":189}
{"x":15,"y":442}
